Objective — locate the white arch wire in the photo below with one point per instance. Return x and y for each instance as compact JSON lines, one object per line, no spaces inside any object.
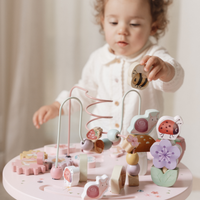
{"x":139,"y":109}
{"x":59,"y":124}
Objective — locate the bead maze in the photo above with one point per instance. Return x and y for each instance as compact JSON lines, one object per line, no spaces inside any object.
{"x":77,"y":166}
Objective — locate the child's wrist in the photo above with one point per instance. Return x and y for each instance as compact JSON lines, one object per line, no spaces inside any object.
{"x":57,"y":105}
{"x":170,"y":73}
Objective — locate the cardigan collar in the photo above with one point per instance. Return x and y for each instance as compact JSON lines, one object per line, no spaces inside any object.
{"x":108,"y":57}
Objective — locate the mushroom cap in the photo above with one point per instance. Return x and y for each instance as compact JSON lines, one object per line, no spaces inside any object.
{"x":145,"y":143}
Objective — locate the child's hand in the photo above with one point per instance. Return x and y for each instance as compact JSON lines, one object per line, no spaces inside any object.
{"x":46,"y":113}
{"x":160,"y":70}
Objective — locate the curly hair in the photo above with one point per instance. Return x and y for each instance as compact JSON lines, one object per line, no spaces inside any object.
{"x":158,"y":12}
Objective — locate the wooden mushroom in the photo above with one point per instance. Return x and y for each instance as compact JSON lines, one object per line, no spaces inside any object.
{"x":145,"y":143}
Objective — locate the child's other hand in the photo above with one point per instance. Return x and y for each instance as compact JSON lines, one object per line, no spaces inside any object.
{"x":160,"y":70}
{"x":46,"y":113}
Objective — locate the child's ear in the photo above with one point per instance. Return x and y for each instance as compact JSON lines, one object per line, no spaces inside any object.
{"x":154,"y":28}
{"x":102,"y":22}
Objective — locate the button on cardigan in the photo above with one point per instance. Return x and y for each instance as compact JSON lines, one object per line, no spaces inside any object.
{"x":105,"y":77}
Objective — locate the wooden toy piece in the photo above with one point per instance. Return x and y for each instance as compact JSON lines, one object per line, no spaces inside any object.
{"x":107,"y":143}
{"x":132,"y":158}
{"x":133,"y":180}
{"x":52,"y":148}
{"x":137,"y":77}
{"x":40,"y":158}
{"x":133,"y":170}
{"x":143,"y":124}
{"x":29,"y":166}
{"x":71,"y":176}
{"x":118,"y":179}
{"x":180,"y":143}
{"x":31,"y":154}
{"x":94,"y":134}
{"x":83,"y":167}
{"x":145,"y":143}
{"x":63,"y":161}
{"x":91,"y":161}
{"x":166,"y":179}
{"x":98,"y":146}
{"x":95,"y":190}
{"x":87,"y":145}
{"x":130,"y":143}
{"x":116,"y":151}
{"x":56,"y":172}
{"x":112,"y":135}
{"x":165,"y":155}
{"x":169,"y":128}
{"x":143,"y":162}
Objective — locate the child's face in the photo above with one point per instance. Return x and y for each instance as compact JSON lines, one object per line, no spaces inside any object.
{"x":127,"y":25}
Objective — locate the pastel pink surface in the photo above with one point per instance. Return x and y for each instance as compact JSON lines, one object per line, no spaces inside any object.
{"x":43,"y":187}
{"x":52,"y":148}
{"x":29,"y":166}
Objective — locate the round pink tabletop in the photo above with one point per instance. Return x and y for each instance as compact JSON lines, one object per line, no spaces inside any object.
{"x":43,"y":187}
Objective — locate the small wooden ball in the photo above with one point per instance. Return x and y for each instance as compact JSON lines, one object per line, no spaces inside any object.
{"x":132,"y":159}
{"x":107,"y":143}
{"x":56,"y":172}
{"x":133,"y":170}
{"x":112,"y":135}
{"x":87,"y":145}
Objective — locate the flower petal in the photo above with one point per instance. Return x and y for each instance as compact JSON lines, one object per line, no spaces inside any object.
{"x":158,"y":164}
{"x":155,"y":148}
{"x":165,"y":143}
{"x":175,"y":152}
{"x":171,"y":164}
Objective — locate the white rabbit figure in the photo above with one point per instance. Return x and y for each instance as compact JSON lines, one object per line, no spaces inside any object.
{"x":95,"y":190}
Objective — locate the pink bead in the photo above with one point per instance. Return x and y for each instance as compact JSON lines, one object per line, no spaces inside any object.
{"x":133,"y":170}
{"x":87,"y":145}
{"x":56,"y":173}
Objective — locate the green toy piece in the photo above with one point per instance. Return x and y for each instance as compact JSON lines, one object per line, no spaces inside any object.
{"x":167,"y":179}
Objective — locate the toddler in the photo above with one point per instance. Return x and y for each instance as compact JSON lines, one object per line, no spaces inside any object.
{"x":127,"y":26}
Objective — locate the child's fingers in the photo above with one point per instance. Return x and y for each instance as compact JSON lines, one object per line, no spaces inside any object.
{"x":47,"y":116}
{"x":144,"y":59}
{"x":35,"y":120}
{"x":41,"y":115}
{"x":154,"y":72}
{"x":152,"y":61}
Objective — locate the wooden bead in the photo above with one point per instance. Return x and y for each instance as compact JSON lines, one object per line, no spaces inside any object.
{"x":112,"y":135}
{"x":87,"y":145}
{"x":133,"y":180}
{"x":133,"y":170}
{"x":132,"y":159}
{"x":129,"y":143}
{"x":94,"y":134}
{"x":98,"y":146}
{"x":107,"y":143}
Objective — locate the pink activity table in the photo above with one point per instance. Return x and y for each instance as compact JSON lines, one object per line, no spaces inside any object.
{"x":43,"y":187}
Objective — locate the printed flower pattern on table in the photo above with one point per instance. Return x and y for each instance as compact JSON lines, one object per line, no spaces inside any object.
{"x":133,"y":140}
{"x":165,"y":155}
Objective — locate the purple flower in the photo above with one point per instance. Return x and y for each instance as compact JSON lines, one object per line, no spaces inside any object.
{"x":165,"y":155}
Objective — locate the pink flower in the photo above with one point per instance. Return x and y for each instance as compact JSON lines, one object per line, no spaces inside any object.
{"x":133,"y":140}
